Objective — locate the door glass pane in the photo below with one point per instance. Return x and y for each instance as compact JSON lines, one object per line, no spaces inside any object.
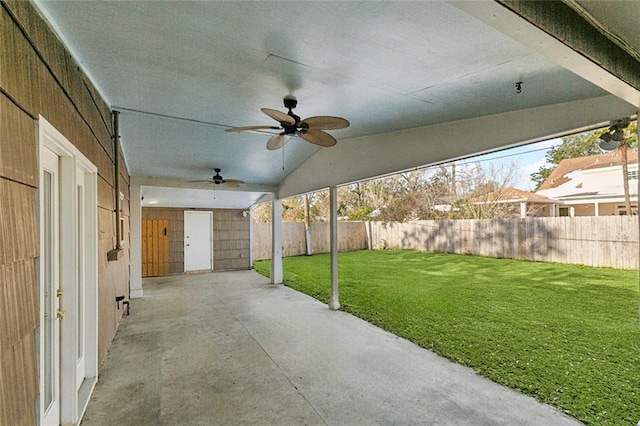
{"x":49,"y":299}
{"x":80,"y":281}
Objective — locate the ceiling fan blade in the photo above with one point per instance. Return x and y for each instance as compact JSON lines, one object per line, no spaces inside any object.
{"x":277,"y":141}
{"x":233,"y":183}
{"x":325,"y":122}
{"x":202,"y":180}
{"x":258,"y":127}
{"x":279,"y":116}
{"x":318,"y":137}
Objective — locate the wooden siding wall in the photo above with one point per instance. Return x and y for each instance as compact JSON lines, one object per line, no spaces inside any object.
{"x":351,"y":236}
{"x":608,"y":241}
{"x":231,"y":249}
{"x":38,"y":76}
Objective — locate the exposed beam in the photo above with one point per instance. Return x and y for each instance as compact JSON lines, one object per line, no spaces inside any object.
{"x":377,"y":155}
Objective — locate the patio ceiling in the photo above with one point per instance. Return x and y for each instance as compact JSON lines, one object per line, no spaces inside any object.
{"x":420,"y":82}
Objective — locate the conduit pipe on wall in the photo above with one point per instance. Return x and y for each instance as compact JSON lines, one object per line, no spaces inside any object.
{"x":117,"y":252}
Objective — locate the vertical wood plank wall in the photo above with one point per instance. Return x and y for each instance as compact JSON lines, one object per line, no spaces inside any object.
{"x":231,"y":241}
{"x":38,"y":76}
{"x":155,"y":248}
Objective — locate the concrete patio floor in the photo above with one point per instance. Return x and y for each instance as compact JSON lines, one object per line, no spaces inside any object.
{"x":229,"y":348}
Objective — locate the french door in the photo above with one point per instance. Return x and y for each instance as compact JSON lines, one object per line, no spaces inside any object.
{"x":50,"y":288}
{"x":68,"y":279}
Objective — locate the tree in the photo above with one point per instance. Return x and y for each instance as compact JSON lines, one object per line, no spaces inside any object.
{"x":483,"y":192}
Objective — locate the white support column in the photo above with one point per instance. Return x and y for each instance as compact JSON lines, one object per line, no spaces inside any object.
{"x":250,"y":238}
{"x":523,"y":209}
{"x":135,"y":238}
{"x":276,"y":241}
{"x":334,"y":302}
{"x":596,"y":209}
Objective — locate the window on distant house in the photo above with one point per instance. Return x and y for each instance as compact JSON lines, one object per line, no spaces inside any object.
{"x":632,"y":174}
{"x":622,"y":210}
{"x":564,"y":211}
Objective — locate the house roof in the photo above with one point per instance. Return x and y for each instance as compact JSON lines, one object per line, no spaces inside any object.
{"x":513,"y":195}
{"x":559,"y":177}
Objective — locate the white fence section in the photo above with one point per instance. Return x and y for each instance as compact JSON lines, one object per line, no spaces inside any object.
{"x":351,"y":236}
{"x":609,"y":241}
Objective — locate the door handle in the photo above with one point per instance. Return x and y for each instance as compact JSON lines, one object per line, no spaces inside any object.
{"x":187,"y":245}
{"x":60,"y":314}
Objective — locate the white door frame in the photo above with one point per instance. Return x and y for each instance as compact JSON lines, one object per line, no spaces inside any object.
{"x":186,"y":242}
{"x":76,"y":379}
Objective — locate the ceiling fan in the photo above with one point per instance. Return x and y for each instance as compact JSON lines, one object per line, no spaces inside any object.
{"x":217,"y":179}
{"x":310,"y":129}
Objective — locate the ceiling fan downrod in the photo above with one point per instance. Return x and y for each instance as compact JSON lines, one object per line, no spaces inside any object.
{"x":290,"y":103}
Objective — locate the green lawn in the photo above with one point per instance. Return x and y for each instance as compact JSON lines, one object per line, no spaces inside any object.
{"x":567,"y":335}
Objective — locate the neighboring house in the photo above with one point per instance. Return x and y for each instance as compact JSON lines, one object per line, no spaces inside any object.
{"x":592,"y":185}
{"x":519,"y":203}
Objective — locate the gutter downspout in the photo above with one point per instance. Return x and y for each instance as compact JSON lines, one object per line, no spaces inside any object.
{"x":117,"y":252}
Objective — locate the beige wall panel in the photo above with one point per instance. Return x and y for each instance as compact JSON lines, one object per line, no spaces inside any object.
{"x":17,"y":222}
{"x":105,"y":166}
{"x":231,"y":225}
{"x":224,"y":215}
{"x":17,"y":80}
{"x":65,"y":68}
{"x":59,"y":92}
{"x":112,"y":282}
{"x":106,"y":195}
{"x":124,"y":183}
{"x":233,"y":244}
{"x":18,"y":152}
{"x":18,"y":302}
{"x":126,"y":208}
{"x":123,"y":170}
{"x":18,"y":383}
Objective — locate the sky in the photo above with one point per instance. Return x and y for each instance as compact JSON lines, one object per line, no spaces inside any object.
{"x":528,"y":159}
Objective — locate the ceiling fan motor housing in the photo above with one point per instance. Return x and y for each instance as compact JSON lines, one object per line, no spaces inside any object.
{"x":217,"y":179}
{"x":290,"y":102}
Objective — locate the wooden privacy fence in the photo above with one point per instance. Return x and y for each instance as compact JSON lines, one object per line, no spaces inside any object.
{"x":609,"y":241}
{"x":351,"y":236}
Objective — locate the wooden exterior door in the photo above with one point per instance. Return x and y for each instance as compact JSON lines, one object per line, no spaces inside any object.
{"x":155,"y":248}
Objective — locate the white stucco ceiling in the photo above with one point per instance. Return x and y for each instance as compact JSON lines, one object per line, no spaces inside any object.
{"x":183,"y":72}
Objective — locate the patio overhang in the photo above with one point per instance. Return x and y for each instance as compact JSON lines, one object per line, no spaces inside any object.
{"x":416,"y":91}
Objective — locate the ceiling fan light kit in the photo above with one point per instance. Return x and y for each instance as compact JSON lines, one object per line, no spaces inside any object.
{"x":612,"y":137}
{"x":310,"y":129}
